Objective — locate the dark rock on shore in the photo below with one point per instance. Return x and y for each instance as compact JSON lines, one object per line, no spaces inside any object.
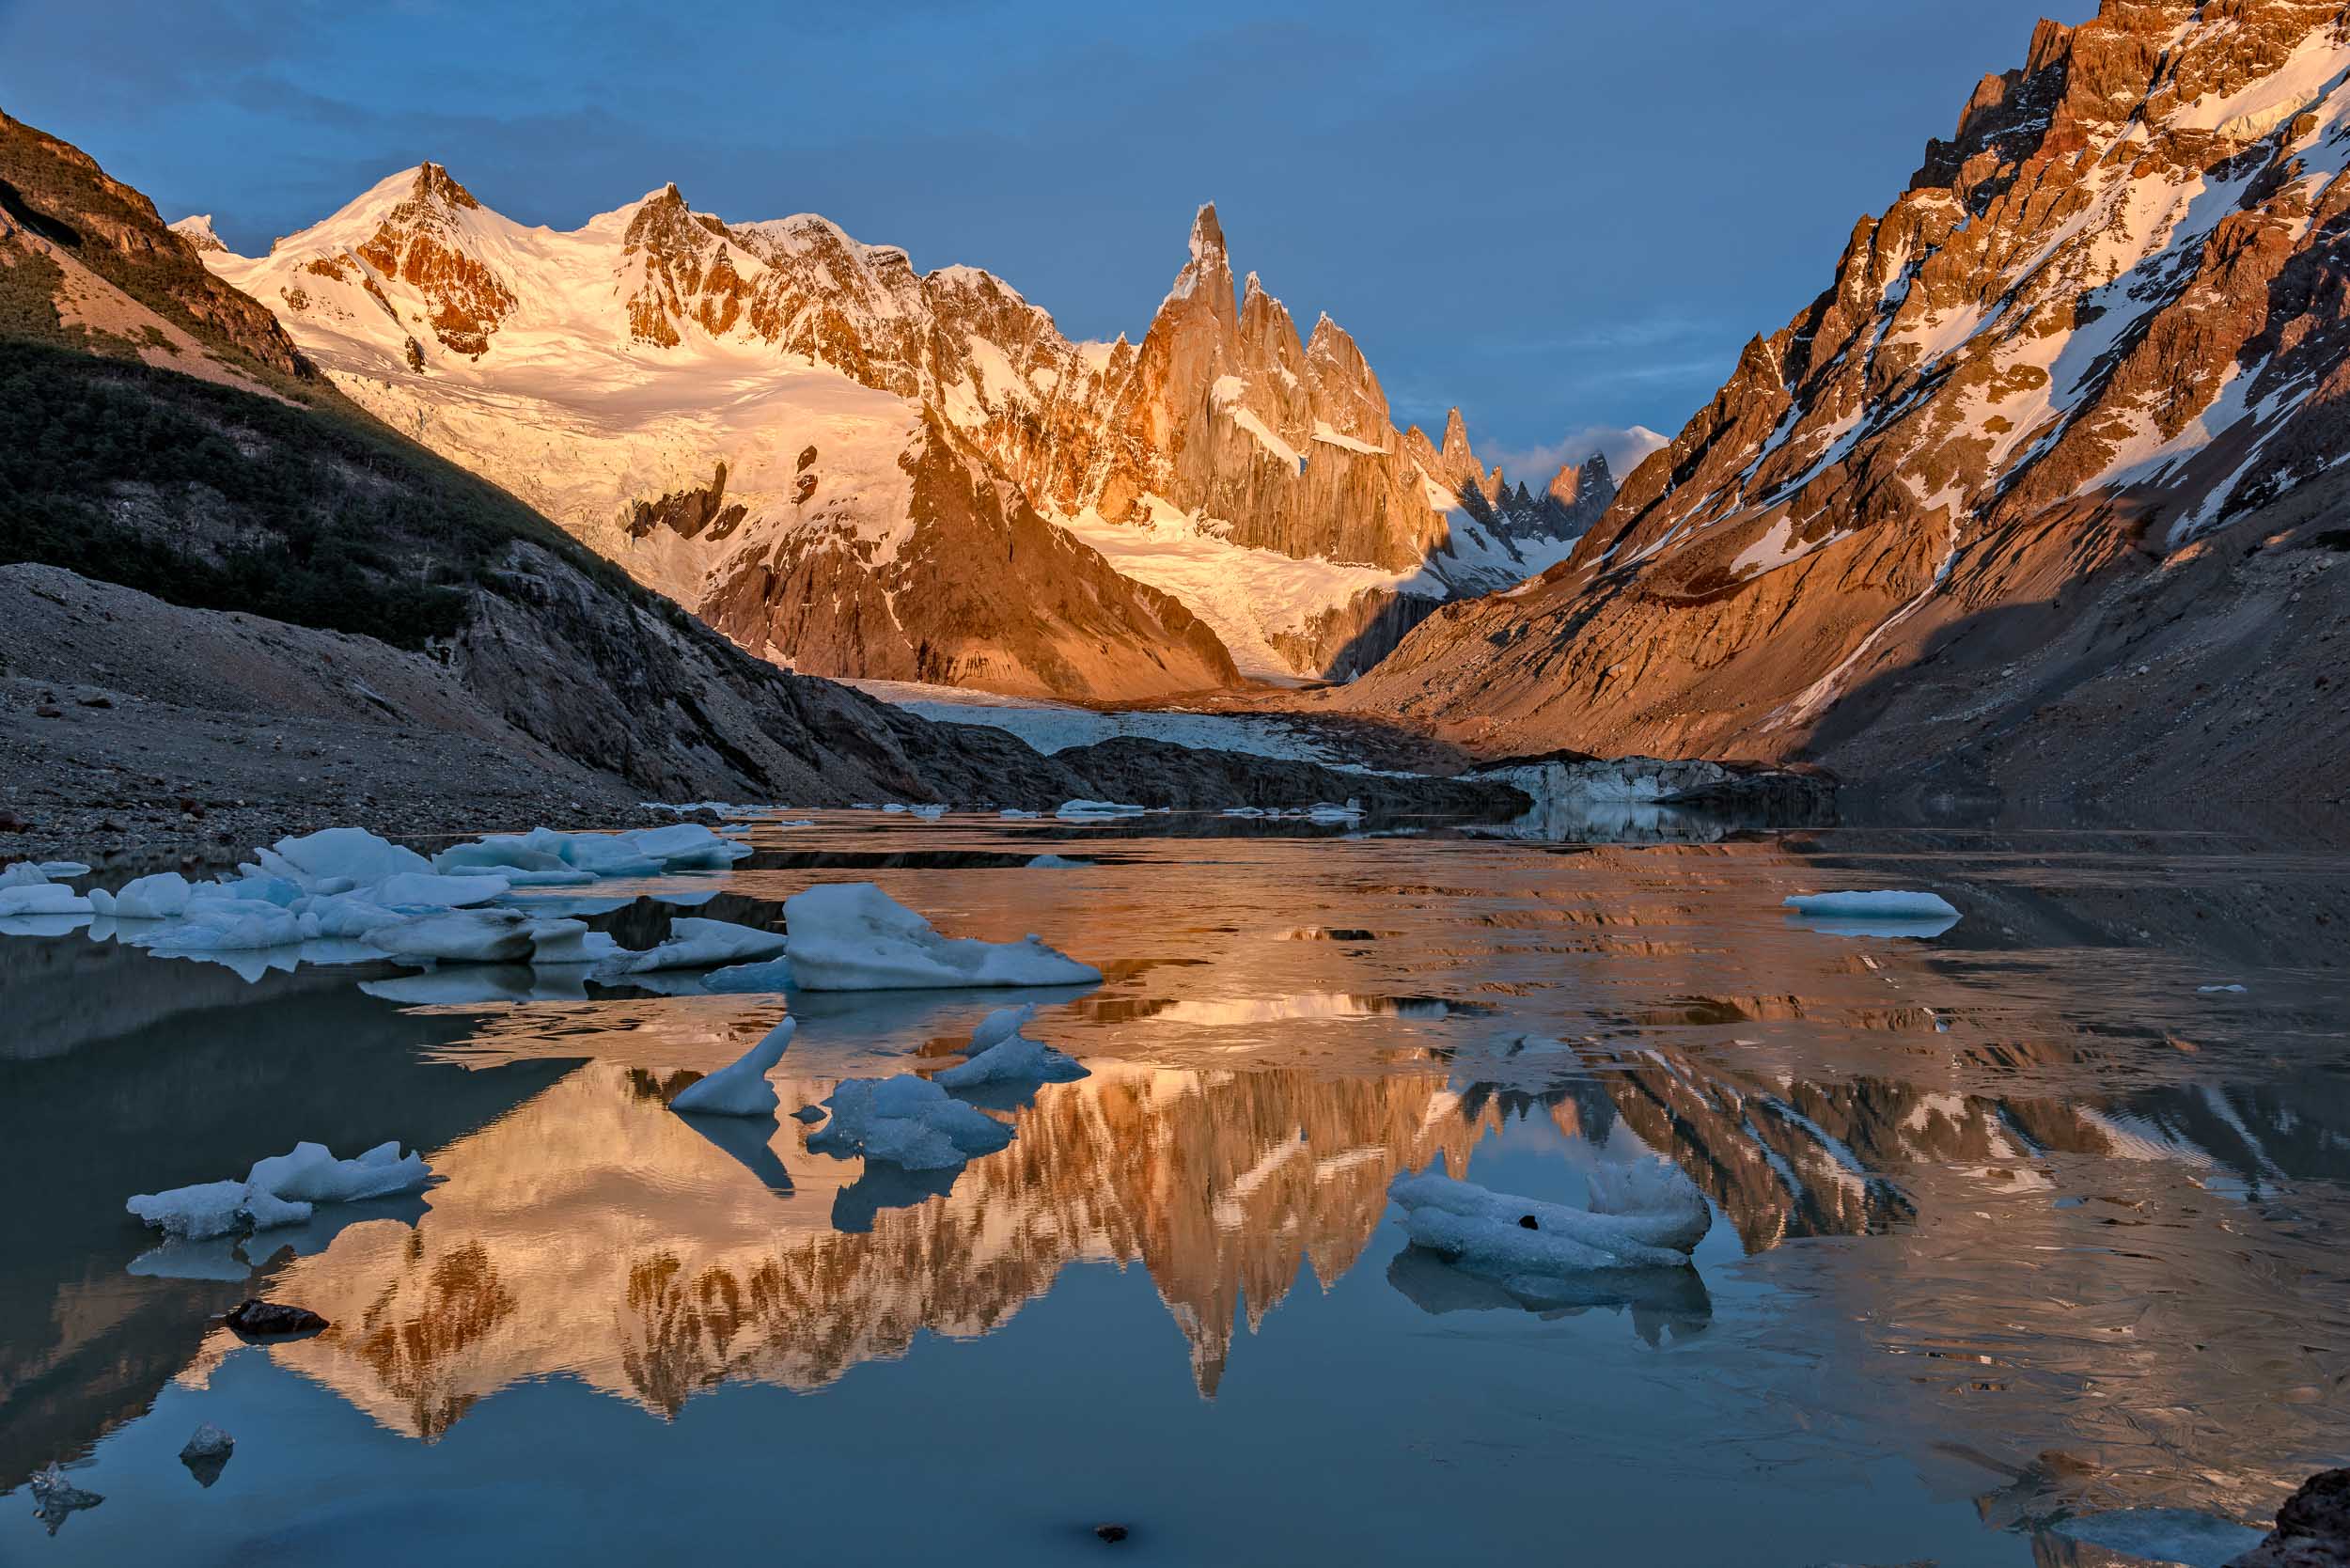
{"x":2312,"y":1528}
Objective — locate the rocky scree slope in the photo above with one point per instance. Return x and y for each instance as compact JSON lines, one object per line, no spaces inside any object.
{"x":2026,"y":496}
{"x":859,"y":469}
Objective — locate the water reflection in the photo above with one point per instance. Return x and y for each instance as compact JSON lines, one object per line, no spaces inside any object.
{"x":2017,"y":1205}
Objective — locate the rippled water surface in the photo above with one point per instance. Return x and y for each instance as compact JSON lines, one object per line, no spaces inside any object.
{"x":2015,"y":1224}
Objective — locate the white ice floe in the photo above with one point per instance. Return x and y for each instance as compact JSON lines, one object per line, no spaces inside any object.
{"x":749,"y":978}
{"x":1884,"y":905}
{"x":42,"y":897}
{"x":161,"y":896}
{"x":739,"y":1089}
{"x":28,"y":873}
{"x":1091,"y":811}
{"x":929,"y":813}
{"x":999,"y":1053}
{"x":853,"y":936}
{"x":1012,"y":813}
{"x":1324,"y":812}
{"x":228,"y":925}
{"x":1056,"y":863}
{"x":694,"y":943}
{"x":555,"y":942}
{"x":2210,"y":990}
{"x":280,"y":1190}
{"x":906,"y":1122}
{"x":1647,"y":1215}
{"x":550,"y":853}
{"x":459,"y":936}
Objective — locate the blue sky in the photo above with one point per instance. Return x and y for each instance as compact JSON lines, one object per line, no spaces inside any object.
{"x":1559,"y":216}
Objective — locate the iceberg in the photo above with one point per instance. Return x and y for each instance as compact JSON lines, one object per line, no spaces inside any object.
{"x":557,"y":942}
{"x":749,"y":978}
{"x":229,"y":925}
{"x":1884,"y":905}
{"x":1647,"y":1215}
{"x":352,"y":853}
{"x":694,"y":943}
{"x":425,"y":890}
{"x":1085,"y":810}
{"x":459,"y":936}
{"x":162,"y":896}
{"x":999,"y":1053}
{"x":906,"y":1122}
{"x":741,"y":1087}
{"x":280,"y":1190}
{"x":853,"y":936}
{"x":42,"y":897}
{"x":929,"y":813}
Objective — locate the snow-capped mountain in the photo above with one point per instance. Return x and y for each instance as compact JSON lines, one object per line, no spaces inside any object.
{"x":862,"y":470}
{"x":1980,"y":471}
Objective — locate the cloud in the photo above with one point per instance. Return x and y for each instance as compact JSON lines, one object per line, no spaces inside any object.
{"x":1624,"y":446}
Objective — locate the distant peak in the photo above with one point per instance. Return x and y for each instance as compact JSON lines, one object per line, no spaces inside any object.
{"x":434,"y":182}
{"x":196,"y":228}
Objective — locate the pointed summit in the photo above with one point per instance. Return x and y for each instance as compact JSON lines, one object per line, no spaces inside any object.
{"x":1207,"y":235}
{"x":434,"y":182}
{"x":197,"y":230}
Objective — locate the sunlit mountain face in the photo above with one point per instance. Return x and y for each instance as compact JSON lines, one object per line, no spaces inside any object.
{"x":2012,"y":1221}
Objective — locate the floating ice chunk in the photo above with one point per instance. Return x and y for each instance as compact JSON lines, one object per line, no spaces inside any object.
{"x":895,"y":808}
{"x":278,"y":1191}
{"x":929,"y":813}
{"x":1646,"y":1215}
{"x":24,"y":874}
{"x":63,"y":870}
{"x":1244,"y":811}
{"x":338,"y":852}
{"x":459,"y":936}
{"x":229,"y":925}
{"x":749,"y":978}
{"x":560,"y":942}
{"x":1012,"y":813}
{"x":739,"y":1089}
{"x":162,"y":897}
{"x":701,"y":944}
{"x":1324,"y":812}
{"x":999,"y":1053}
{"x":1081,"y":810}
{"x":349,"y":915}
{"x":496,"y":852}
{"x":310,"y":1173}
{"x":853,"y":936}
{"x":906,"y":1122}
{"x":2210,"y":990}
{"x":688,"y":846}
{"x":1056,"y":863}
{"x":196,"y":1212}
{"x":425,"y":890}
{"x":42,"y":897}
{"x":1884,"y":905}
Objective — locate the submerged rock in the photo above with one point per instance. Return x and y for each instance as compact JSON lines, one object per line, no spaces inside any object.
{"x":269,"y":1319}
{"x":55,"y":1498}
{"x":206,"y":1453}
{"x":2312,"y":1528}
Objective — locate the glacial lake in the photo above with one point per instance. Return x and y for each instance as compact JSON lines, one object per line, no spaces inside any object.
{"x":2020,"y":1236}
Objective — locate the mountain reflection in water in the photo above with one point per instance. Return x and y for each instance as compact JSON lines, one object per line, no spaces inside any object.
{"x":2017,"y":1192}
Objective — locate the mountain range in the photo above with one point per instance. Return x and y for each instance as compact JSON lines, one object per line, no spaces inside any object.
{"x":2042,"y":492}
{"x":857,"y":469}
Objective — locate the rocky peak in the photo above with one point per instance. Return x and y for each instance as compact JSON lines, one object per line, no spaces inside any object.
{"x":422,"y":242}
{"x":1346,"y":395}
{"x":197,"y":230}
{"x":434,"y":185}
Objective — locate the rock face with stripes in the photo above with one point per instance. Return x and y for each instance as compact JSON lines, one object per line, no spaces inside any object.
{"x":1130,"y":517}
{"x":2103,"y":327}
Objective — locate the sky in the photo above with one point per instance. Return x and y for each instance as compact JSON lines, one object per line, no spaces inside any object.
{"x":1565,"y":217}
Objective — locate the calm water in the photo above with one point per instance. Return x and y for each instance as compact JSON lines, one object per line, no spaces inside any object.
{"x":2015,"y":1225}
